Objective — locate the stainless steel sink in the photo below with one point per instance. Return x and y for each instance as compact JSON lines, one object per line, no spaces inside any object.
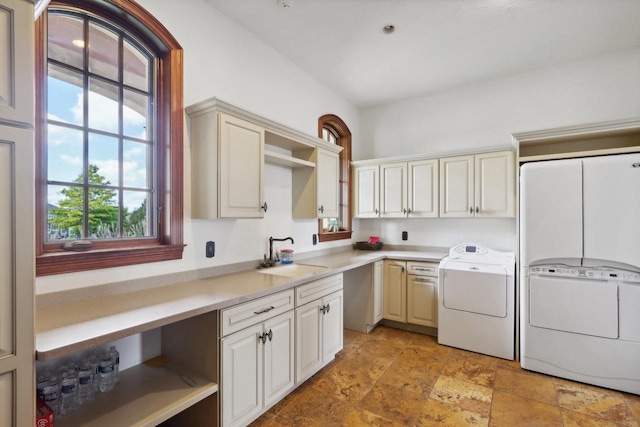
{"x":293,"y":270}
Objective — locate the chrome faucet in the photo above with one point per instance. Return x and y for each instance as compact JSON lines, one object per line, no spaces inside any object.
{"x":271,"y":240}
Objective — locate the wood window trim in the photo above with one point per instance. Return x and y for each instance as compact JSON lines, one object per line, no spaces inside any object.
{"x":339,"y":127}
{"x":168,"y":245}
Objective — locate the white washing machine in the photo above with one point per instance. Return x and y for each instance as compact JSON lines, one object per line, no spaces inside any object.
{"x":476,"y":300}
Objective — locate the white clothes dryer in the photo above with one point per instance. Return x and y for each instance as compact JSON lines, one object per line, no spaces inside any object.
{"x":476,"y":300}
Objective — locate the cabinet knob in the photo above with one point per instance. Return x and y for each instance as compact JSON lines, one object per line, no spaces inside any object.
{"x":377,"y":211}
{"x":328,"y":307}
{"x":270,"y":335}
{"x":263,"y":338}
{"x":265,"y":206}
{"x":321,"y":209}
{"x":402,"y":269}
{"x":471,"y":210}
{"x":409,"y":211}
{"x":404,"y":211}
{"x":477,"y":209}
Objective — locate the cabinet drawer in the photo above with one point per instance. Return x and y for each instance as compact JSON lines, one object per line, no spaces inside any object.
{"x":318,"y":289}
{"x":240,"y":316}
{"x":422,"y":268}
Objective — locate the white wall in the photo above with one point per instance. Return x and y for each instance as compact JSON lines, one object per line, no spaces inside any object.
{"x":223,"y":60}
{"x":485,"y":115}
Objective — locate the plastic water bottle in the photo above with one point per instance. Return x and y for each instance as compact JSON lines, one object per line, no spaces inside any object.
{"x":52,"y":396}
{"x":69,"y":389}
{"x":94,"y":365}
{"x":107,"y":374}
{"x":86,"y":379}
{"x":115,"y":356}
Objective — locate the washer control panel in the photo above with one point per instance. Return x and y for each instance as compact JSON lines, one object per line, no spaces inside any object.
{"x":598,"y":273}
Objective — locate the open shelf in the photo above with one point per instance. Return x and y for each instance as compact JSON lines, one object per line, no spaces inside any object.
{"x":274,"y":158}
{"x":144,"y":396}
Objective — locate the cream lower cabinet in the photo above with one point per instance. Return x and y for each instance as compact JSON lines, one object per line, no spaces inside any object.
{"x":482,"y":185}
{"x":257,"y":362}
{"x":376,"y":305}
{"x":410,"y":292}
{"x":319,"y":325}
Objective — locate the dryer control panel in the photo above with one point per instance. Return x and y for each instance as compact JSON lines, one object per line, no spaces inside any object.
{"x":470,"y":249}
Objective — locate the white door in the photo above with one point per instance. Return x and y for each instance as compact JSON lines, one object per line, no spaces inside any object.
{"x":612,"y":208}
{"x":422,"y":297}
{"x":393,"y":190}
{"x":308,"y":340}
{"x":16,"y":61}
{"x":367,"y":192}
{"x":328,"y":176}
{"x":550,"y":210}
{"x":495,"y":192}
{"x":378,"y":273}
{"x":242,"y":365}
{"x":332,"y":326}
{"x":423,"y":191}
{"x":395,"y":291}
{"x":456,"y":187}
{"x":16,"y":277}
{"x":241,"y":167}
{"x":279,"y":358}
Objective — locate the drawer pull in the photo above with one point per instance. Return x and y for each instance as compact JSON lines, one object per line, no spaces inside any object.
{"x":264,"y":310}
{"x":419,"y":279}
{"x":325,"y":308}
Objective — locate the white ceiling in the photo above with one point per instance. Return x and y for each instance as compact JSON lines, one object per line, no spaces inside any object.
{"x":437,"y":44}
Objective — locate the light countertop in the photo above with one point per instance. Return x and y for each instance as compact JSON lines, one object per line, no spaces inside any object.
{"x":80,"y":325}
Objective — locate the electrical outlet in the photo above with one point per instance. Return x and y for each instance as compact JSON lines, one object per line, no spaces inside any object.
{"x":210,"y":249}
{"x":405,"y":235}
{"x":315,"y":239}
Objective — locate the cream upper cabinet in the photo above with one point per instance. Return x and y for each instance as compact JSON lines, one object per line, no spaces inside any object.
{"x":16,"y":62}
{"x":393,"y":190}
{"x":409,"y":189}
{"x":395,"y":291}
{"x":241,"y":168}
{"x":17,"y":390}
{"x":482,"y":185}
{"x":366,"y":188}
{"x":327,"y":173}
{"x":423,"y":189}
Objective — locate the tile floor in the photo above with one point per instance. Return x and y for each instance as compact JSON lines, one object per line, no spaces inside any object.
{"x":398,"y":378}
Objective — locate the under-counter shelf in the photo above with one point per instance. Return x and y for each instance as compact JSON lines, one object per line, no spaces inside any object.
{"x":274,"y":158}
{"x":144,"y":396}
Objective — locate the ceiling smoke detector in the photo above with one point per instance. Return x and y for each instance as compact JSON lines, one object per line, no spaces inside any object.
{"x":285,"y":4}
{"x":388,"y":29}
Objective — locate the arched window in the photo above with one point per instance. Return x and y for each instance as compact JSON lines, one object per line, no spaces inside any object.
{"x":109,"y":137}
{"x":332,"y":129}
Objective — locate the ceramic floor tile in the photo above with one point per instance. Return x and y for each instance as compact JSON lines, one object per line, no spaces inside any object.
{"x":471,"y":371}
{"x":511,"y":410}
{"x":412,"y":374}
{"x":424,"y":340}
{"x":393,"y":403}
{"x":314,"y":409}
{"x":604,"y":404}
{"x":633,"y":400}
{"x":436,"y":413}
{"x":426,"y":353}
{"x":393,"y":335}
{"x":536,"y":387}
{"x":361,"y":417}
{"x":574,"y":419}
{"x":456,"y":353}
{"x":387,"y":350}
{"x":462,"y":394}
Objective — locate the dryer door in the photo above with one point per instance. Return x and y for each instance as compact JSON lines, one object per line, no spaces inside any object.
{"x":476,"y":288}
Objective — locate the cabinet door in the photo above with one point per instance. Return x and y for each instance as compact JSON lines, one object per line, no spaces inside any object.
{"x":16,"y":277}
{"x":456,"y":187}
{"x":495,"y":192}
{"x":393,"y":190}
{"x":367,"y":192}
{"x":378,"y":273}
{"x":422,"y":300}
{"x":241,"y":167}
{"x":332,"y":326}
{"x":241,"y":376}
{"x":328,"y":176}
{"x":395,"y":291}
{"x":423,"y":189}
{"x":308,"y":340}
{"x":279,"y":356}
{"x":16,"y":61}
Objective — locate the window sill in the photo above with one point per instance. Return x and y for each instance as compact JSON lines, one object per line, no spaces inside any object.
{"x":338,"y":235}
{"x":71,"y":262}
